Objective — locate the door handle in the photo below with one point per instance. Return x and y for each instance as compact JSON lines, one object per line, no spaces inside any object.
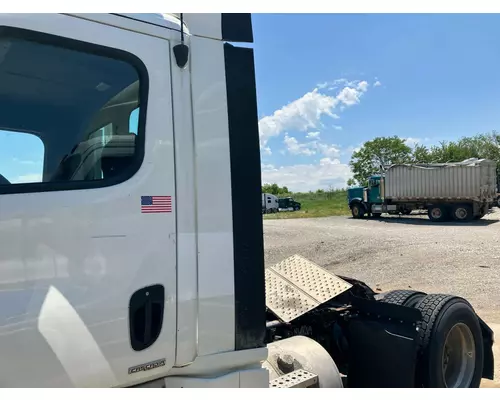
{"x":146,"y":308}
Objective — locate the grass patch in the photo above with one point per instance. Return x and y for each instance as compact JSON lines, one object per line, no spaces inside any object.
{"x":316,"y":205}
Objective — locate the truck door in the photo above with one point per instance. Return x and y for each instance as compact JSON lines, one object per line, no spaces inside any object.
{"x":87,"y":204}
{"x":374,"y":196}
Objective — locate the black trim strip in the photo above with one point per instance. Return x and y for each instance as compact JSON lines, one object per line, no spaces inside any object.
{"x":103,"y":51}
{"x":237,"y":27}
{"x":248,"y":243}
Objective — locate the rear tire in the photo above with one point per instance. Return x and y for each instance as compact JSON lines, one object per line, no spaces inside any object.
{"x":357,"y":210}
{"x":408,"y":298}
{"x":438,"y":213}
{"x":451,"y":349}
{"x":462,"y":213}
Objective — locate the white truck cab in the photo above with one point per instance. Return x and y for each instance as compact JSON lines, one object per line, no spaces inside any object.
{"x":269,"y":203}
{"x":128,"y":143}
{"x":115,"y":269}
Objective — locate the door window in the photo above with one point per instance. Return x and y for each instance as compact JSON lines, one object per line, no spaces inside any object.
{"x":70,"y":114}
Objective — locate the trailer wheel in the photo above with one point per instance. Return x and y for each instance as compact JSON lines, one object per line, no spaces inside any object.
{"x":438,"y":213}
{"x":450,"y":343}
{"x":462,"y":213}
{"x":358,"y":210}
{"x":408,"y":298}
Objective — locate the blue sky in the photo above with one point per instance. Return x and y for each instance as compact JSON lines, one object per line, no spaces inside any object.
{"x":328,"y":82}
{"x":354,"y":77}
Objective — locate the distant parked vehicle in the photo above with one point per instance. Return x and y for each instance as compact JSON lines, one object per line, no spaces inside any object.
{"x":288,"y":204}
{"x":461,"y":191}
{"x":269,"y":203}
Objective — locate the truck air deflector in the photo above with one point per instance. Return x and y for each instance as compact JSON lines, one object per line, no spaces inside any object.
{"x":248,"y":243}
{"x":237,"y":27}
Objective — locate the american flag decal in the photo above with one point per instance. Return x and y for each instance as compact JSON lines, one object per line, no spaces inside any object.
{"x":156,"y":204}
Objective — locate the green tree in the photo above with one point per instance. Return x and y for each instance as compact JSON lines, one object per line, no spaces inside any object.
{"x":421,"y":154}
{"x":376,"y":155}
{"x":273,"y":188}
{"x":478,"y":146}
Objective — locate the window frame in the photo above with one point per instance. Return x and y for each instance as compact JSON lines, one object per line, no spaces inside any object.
{"x":103,"y":51}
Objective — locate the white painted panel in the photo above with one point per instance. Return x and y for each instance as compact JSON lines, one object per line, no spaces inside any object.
{"x":79,"y":255}
{"x":208,"y":25}
{"x":216,"y":324}
{"x":187,"y":246}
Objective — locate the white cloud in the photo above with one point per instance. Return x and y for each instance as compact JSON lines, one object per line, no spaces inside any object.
{"x":28,"y":178}
{"x":348,"y":96}
{"x":306,"y":112}
{"x":342,"y":82}
{"x":377,"y":83}
{"x":25,"y":162}
{"x":294,"y":147}
{"x":351,"y":95}
{"x":363,"y":86}
{"x":311,"y":148}
{"x":302,"y":114}
{"x":266,"y":150}
{"x":412,"y":141}
{"x":328,"y":172}
{"x":312,"y":135}
{"x":328,"y":161}
{"x":329,"y":150}
{"x":337,"y":127}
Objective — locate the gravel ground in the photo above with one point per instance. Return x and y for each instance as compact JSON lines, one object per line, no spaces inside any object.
{"x":398,"y":253}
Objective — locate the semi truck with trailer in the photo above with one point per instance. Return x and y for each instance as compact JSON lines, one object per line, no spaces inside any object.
{"x":129,"y":262}
{"x":461,"y":191}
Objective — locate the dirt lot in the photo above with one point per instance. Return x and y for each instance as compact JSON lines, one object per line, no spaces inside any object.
{"x":398,"y":253}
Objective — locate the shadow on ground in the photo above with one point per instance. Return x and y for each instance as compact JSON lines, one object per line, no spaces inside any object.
{"x":421,"y":219}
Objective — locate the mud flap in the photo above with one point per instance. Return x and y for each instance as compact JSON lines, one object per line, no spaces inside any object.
{"x":382,"y":345}
{"x":488,"y":340}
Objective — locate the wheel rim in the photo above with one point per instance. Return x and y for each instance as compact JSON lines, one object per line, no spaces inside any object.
{"x":355,"y":211}
{"x":436,"y":213}
{"x":459,"y":357}
{"x":461,"y":213}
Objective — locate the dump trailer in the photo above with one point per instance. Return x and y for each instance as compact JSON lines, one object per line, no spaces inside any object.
{"x":128,"y":261}
{"x":461,"y":191}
